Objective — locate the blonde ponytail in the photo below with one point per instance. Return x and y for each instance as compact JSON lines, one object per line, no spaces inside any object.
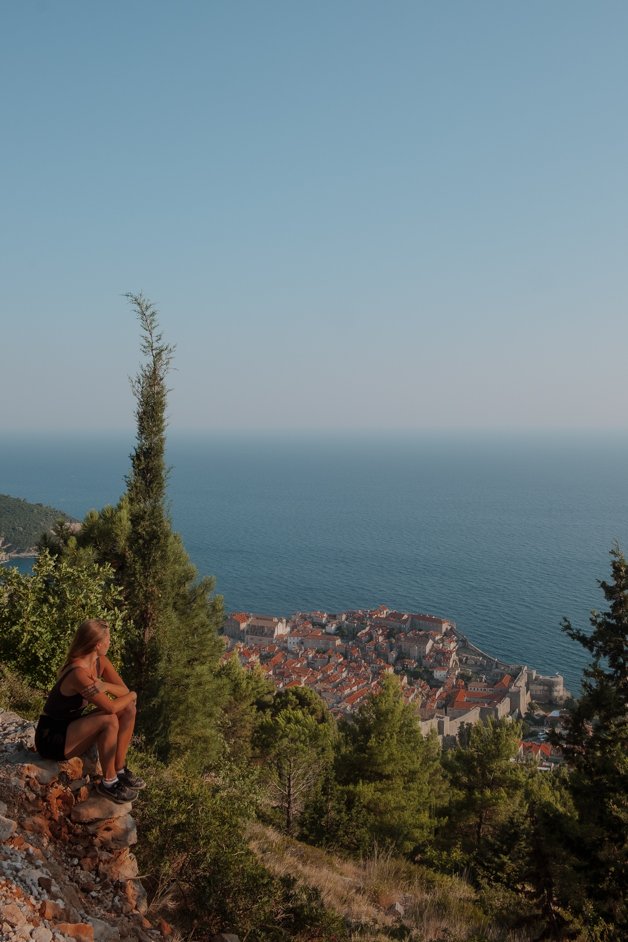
{"x":88,"y":635}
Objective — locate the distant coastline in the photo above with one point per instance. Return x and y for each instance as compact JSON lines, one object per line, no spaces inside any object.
{"x":22,"y":525}
{"x":22,"y":554}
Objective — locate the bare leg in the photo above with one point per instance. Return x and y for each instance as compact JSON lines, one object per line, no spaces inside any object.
{"x":101,"y":728}
{"x":126,"y":719}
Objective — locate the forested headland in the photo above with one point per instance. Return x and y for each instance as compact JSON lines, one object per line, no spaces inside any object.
{"x":22,"y":525}
{"x":267,"y":817}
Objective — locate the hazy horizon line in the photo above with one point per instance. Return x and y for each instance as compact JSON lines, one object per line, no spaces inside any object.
{"x":174,"y":431}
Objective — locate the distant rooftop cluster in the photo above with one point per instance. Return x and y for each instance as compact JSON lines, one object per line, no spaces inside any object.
{"x":343,"y":656}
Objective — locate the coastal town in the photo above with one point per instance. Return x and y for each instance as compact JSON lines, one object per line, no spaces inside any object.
{"x":344,"y":656}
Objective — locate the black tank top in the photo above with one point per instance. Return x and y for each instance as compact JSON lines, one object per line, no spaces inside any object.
{"x":60,"y":705}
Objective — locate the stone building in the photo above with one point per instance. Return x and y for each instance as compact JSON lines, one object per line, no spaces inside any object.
{"x":546,"y":689}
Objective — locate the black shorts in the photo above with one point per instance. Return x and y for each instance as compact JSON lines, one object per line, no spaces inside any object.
{"x":50,"y":737}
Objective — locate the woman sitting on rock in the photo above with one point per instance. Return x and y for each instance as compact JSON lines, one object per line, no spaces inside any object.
{"x":64,"y":730}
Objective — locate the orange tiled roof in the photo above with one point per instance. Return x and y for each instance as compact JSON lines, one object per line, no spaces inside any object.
{"x":537,"y":748}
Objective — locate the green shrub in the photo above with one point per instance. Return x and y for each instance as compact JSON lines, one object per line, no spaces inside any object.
{"x":17,"y":696}
{"x":40,"y":612}
{"x":197,"y":866}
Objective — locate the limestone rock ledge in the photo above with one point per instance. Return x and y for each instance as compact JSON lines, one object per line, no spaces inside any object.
{"x":67,"y":873}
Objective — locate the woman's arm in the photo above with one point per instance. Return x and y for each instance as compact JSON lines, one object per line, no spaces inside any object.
{"x":93,"y":690}
{"x":116,"y":690}
{"x":111,"y":680}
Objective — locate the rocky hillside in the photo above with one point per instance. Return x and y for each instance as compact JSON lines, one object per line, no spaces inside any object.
{"x":67,"y":873}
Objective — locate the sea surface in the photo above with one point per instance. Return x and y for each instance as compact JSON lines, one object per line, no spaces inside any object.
{"x":506,"y":534}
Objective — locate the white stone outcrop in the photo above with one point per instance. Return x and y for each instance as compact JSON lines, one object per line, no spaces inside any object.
{"x":67,"y":873}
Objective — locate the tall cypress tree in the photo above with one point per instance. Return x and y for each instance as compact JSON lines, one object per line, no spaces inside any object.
{"x":172,"y":650}
{"x":146,"y":558}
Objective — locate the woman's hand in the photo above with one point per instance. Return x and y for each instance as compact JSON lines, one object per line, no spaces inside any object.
{"x":109,"y":675}
{"x":99,"y":692}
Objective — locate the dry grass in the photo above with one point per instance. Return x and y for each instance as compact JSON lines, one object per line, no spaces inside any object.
{"x":365,"y":893}
{"x":338,"y":881}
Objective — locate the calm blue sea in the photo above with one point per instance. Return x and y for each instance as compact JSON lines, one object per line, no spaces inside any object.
{"x":504,"y":533}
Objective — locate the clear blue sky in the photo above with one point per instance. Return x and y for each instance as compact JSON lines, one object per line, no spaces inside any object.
{"x":350,"y":214}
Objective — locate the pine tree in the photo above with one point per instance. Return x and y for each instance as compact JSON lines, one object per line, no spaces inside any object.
{"x":486,"y":785}
{"x":390,"y":773}
{"x":537,"y":862}
{"x":294,"y":739}
{"x":595,"y":745}
{"x":246,"y":693}
{"x":190,"y":694}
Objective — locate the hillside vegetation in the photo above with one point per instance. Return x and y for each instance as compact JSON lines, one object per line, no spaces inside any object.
{"x":22,"y":524}
{"x":380,"y":897}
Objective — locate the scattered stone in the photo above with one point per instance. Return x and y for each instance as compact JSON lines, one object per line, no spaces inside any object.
{"x":60,"y":801}
{"x":7,"y":827}
{"x":49,"y":909}
{"x":71,"y":769}
{"x":135,"y":895}
{"x":10,"y":719}
{"x":29,"y":879}
{"x":13,"y":915}
{"x":120,"y":868}
{"x":81,"y":931}
{"x":33,"y":766}
{"x":98,"y":808}
{"x":102,"y":931}
{"x":117,"y":833}
{"x":37,"y":824}
{"x":41,"y":934}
